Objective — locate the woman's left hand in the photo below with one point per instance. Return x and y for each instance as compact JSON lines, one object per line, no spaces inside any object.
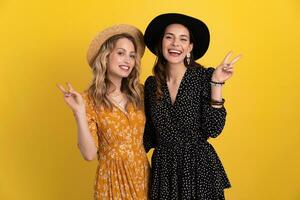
{"x":225,"y":70}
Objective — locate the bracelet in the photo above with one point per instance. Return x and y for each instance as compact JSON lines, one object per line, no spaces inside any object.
{"x":217,"y":103}
{"x":216,"y":85}
{"x":213,"y":83}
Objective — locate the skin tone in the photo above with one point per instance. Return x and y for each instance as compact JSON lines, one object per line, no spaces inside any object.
{"x":120,"y":63}
{"x":221,"y":74}
{"x":175,"y":46}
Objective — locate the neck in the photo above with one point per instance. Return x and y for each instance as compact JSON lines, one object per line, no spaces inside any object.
{"x":115,"y":85}
{"x":175,"y":72}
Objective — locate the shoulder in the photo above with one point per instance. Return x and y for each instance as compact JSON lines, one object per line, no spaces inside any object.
{"x":88,"y":101}
{"x":203,"y":71}
{"x":150,"y":82}
{"x":150,"y":86}
{"x":202,"y":74}
{"x":85,"y":95}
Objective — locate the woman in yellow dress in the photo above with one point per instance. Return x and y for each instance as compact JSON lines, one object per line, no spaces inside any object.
{"x":110,"y":115}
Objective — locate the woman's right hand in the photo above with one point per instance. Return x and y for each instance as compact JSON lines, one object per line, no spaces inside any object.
{"x":73,"y":99}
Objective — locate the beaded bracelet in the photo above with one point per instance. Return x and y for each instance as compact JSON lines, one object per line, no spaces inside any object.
{"x":213,"y":83}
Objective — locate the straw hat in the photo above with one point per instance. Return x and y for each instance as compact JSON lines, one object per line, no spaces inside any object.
{"x":101,"y":37}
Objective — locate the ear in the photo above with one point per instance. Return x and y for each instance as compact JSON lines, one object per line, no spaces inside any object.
{"x":107,"y":58}
{"x":191,"y":45}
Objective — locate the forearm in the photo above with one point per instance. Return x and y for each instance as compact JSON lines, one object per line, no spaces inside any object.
{"x":213,"y":111}
{"x":86,"y":143}
{"x":216,"y":94}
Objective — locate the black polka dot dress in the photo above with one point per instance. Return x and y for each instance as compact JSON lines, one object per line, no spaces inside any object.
{"x":184,"y":165}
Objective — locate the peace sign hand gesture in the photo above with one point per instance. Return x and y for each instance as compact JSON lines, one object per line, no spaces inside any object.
{"x":225,"y":70}
{"x":73,"y":98}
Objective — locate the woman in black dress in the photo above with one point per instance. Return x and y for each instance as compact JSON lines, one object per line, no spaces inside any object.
{"x":184,"y":108}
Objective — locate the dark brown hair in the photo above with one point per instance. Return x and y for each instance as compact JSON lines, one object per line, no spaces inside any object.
{"x":160,"y":68}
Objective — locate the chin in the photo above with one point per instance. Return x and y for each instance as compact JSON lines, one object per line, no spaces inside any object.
{"x":175,"y":60}
{"x":172,"y":61}
{"x":124,"y":75}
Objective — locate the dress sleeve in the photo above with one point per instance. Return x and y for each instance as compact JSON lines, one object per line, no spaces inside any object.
{"x":213,"y":119}
{"x":149,"y":131}
{"x":91,"y":118}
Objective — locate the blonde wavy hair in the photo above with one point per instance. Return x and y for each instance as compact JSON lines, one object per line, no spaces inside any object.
{"x":130,"y":86}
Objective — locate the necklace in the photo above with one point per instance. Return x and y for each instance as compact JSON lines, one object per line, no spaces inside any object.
{"x":117,"y":101}
{"x":116,"y":95}
{"x":121,"y":102}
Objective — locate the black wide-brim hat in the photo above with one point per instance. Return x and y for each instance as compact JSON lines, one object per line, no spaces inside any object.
{"x":197,"y":28}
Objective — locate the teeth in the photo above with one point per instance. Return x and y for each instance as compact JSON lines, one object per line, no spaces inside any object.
{"x":174,"y":51}
{"x":124,"y":67}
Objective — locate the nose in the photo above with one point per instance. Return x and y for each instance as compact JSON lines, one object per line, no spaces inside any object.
{"x":175,"y":42}
{"x":127,"y":59}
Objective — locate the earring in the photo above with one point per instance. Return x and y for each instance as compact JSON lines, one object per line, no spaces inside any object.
{"x":188,"y":58}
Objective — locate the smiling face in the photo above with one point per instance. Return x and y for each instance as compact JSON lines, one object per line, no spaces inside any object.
{"x":176,"y":43}
{"x":121,"y":60}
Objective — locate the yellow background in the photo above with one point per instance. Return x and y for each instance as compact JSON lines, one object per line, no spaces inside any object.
{"x":43,"y":43}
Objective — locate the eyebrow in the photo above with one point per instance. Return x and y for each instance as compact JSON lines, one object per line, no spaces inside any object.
{"x":125,"y":50}
{"x":183,"y":35}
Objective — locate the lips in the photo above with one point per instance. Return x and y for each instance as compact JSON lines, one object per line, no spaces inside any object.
{"x":174,"y":52}
{"x":124,"y":67}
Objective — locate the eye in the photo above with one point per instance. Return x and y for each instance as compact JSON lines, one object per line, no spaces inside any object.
{"x":132,"y":56}
{"x":184,"y":39}
{"x":168,"y":37}
{"x":120,"y":53}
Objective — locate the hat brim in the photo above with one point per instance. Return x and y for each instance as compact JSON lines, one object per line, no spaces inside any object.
{"x":197,"y":28}
{"x":101,"y":37}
